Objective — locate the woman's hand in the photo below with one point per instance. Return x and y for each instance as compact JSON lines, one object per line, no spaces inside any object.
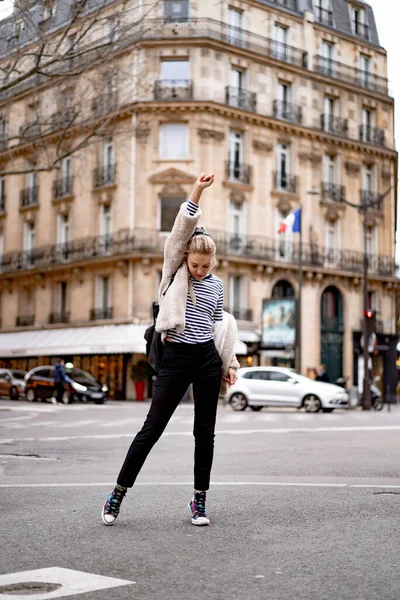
{"x":232,"y":377}
{"x":203,"y":182}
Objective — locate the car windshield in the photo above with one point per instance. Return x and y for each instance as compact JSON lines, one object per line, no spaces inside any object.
{"x":18,"y":374}
{"x":80,"y":376}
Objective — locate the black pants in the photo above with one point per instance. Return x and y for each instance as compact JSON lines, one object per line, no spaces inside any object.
{"x":182,"y":365}
{"x":60,"y":391}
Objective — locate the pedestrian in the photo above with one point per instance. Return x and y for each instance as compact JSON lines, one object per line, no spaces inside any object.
{"x":60,"y":379}
{"x":323,"y":374}
{"x":193,"y":326}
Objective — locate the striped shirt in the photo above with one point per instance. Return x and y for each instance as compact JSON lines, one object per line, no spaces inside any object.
{"x":200,"y":318}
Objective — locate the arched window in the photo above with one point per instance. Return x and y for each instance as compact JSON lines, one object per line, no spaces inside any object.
{"x":332,"y":309}
{"x":283,"y":289}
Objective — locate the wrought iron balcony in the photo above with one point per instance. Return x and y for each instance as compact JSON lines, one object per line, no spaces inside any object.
{"x":287,"y":112}
{"x":371,"y":200}
{"x":62,"y":187}
{"x":361,"y":30}
{"x":238,"y":172}
{"x":25,"y":321}
{"x":285,"y":183}
{"x":323,"y":16}
{"x":27,"y":131}
{"x":335,"y":125}
{"x":139,"y":242}
{"x":96,"y":314}
{"x":62,"y":119}
{"x":372,"y":135}
{"x":241,"y":98}
{"x":105,"y":103}
{"x":242,"y":314}
{"x":351,"y":75}
{"x":29,"y":196}
{"x":332,"y":191}
{"x":104,"y":175}
{"x":173,"y":89}
{"x":60,"y":317}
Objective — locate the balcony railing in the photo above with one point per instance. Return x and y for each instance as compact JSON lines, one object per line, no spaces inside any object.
{"x":62,"y":187}
{"x":287,"y":111}
{"x":351,"y":75}
{"x":242,"y":314}
{"x":361,"y":30}
{"x":144,"y":241}
{"x":238,"y":172}
{"x":60,"y":317}
{"x":29,"y":196}
{"x":324,"y":16}
{"x":285,"y":183}
{"x":370,"y":199}
{"x":96,"y":314}
{"x":173,"y":89}
{"x":372,"y":135}
{"x":104,"y":175}
{"x":335,"y":125}
{"x":105,"y":103}
{"x":62,"y":119}
{"x":28,"y":131}
{"x":25,"y":320}
{"x":241,"y":98}
{"x":332,"y":191}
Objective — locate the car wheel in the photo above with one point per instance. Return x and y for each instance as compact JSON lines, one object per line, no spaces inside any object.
{"x":100,"y":401}
{"x":312,"y":403}
{"x":14,"y":393}
{"x":238,"y":401}
{"x":256,"y":408}
{"x":30,"y":395}
{"x":377,"y":404}
{"x":66,"y":398}
{"x":327,"y":410}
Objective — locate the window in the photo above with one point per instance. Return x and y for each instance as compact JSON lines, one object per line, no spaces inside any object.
{"x":372,"y":241}
{"x":258,"y":375}
{"x":368,"y":179}
{"x":283,"y":289}
{"x":174,"y":140}
{"x":176,"y":9}
{"x":3,"y":130}
{"x":327,"y":59}
{"x":103,"y":294}
{"x":237,"y":296}
{"x":330,"y":169}
{"x":368,"y":120}
{"x":237,"y":78}
{"x":278,"y":376}
{"x":2,"y":194}
{"x":359,"y":25}
{"x":365,"y":71}
{"x":49,"y":9}
{"x":235,"y":159}
{"x":66,"y":168}
{"x":283,"y":107}
{"x":323,"y":11}
{"x":332,"y":242}
{"x":169,"y":208}
{"x":281,"y":36}
{"x":236,"y":225}
{"x":108,"y":153}
{"x":63,"y":229}
{"x":235,"y":34}
{"x":174,"y":70}
{"x":106,"y":228}
{"x":29,"y":236}
{"x":283,"y":241}
{"x":283,"y":166}
{"x":63,"y":297}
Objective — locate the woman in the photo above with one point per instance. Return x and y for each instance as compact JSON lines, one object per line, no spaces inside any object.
{"x":190,"y":317}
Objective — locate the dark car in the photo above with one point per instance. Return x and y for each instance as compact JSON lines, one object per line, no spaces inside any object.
{"x":12,"y":383}
{"x":40,"y":385}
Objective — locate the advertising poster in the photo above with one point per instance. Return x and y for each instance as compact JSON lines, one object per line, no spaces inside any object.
{"x":279,"y":323}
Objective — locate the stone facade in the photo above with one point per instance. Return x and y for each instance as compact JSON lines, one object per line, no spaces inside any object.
{"x":246,"y":91}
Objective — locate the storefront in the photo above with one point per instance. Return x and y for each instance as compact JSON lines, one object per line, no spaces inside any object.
{"x":383,"y":369}
{"x":106,"y":352}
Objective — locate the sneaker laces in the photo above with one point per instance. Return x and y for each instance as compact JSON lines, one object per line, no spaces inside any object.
{"x":199,"y":504}
{"x":114,"y":500}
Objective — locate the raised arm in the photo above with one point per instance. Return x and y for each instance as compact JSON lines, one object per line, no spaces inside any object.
{"x":184,"y":226}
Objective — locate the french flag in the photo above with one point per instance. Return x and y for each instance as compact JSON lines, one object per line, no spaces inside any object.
{"x":291,"y":223}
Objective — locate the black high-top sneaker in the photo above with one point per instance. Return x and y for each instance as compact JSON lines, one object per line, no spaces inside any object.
{"x":111,"y":508}
{"x":197,"y":507}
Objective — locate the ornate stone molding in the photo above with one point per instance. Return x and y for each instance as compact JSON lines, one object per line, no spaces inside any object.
{"x":315,"y":159}
{"x":211,"y":134}
{"x":284,"y":205}
{"x":172,"y":175}
{"x":352,"y":168}
{"x":237,"y":196}
{"x":332,"y":214}
{"x":173,"y":190}
{"x":262,"y":146}
{"x":386,"y":177}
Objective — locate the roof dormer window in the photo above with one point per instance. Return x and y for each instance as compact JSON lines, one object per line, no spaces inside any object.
{"x":359,"y":22}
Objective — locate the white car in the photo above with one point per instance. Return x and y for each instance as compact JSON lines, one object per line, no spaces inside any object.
{"x":274,"y":386}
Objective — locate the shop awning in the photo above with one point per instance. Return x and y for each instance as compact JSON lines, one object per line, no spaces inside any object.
{"x":103,"y":339}
{"x":106,"y":339}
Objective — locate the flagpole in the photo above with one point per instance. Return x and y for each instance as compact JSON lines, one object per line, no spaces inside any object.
{"x":300,"y":287}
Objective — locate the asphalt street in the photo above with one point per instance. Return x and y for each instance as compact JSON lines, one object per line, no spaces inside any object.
{"x":301,"y":506}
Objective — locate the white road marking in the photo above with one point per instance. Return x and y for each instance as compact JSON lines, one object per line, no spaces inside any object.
{"x":71,"y":582}
{"x":214,"y":483}
{"x":113,"y":436}
{"x":26,"y":457}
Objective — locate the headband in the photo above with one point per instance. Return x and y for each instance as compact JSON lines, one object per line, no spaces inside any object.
{"x":200,"y":233}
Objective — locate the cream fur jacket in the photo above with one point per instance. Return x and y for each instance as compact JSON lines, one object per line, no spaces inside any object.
{"x":173,"y":309}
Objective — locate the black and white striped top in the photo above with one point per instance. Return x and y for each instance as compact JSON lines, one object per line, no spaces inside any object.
{"x":200,"y":319}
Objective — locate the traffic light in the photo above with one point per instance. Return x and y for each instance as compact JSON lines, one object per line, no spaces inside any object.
{"x":370,"y":318}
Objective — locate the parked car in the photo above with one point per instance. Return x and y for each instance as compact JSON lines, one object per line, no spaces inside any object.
{"x":40,"y":385}
{"x":12,"y":383}
{"x":274,"y":386}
